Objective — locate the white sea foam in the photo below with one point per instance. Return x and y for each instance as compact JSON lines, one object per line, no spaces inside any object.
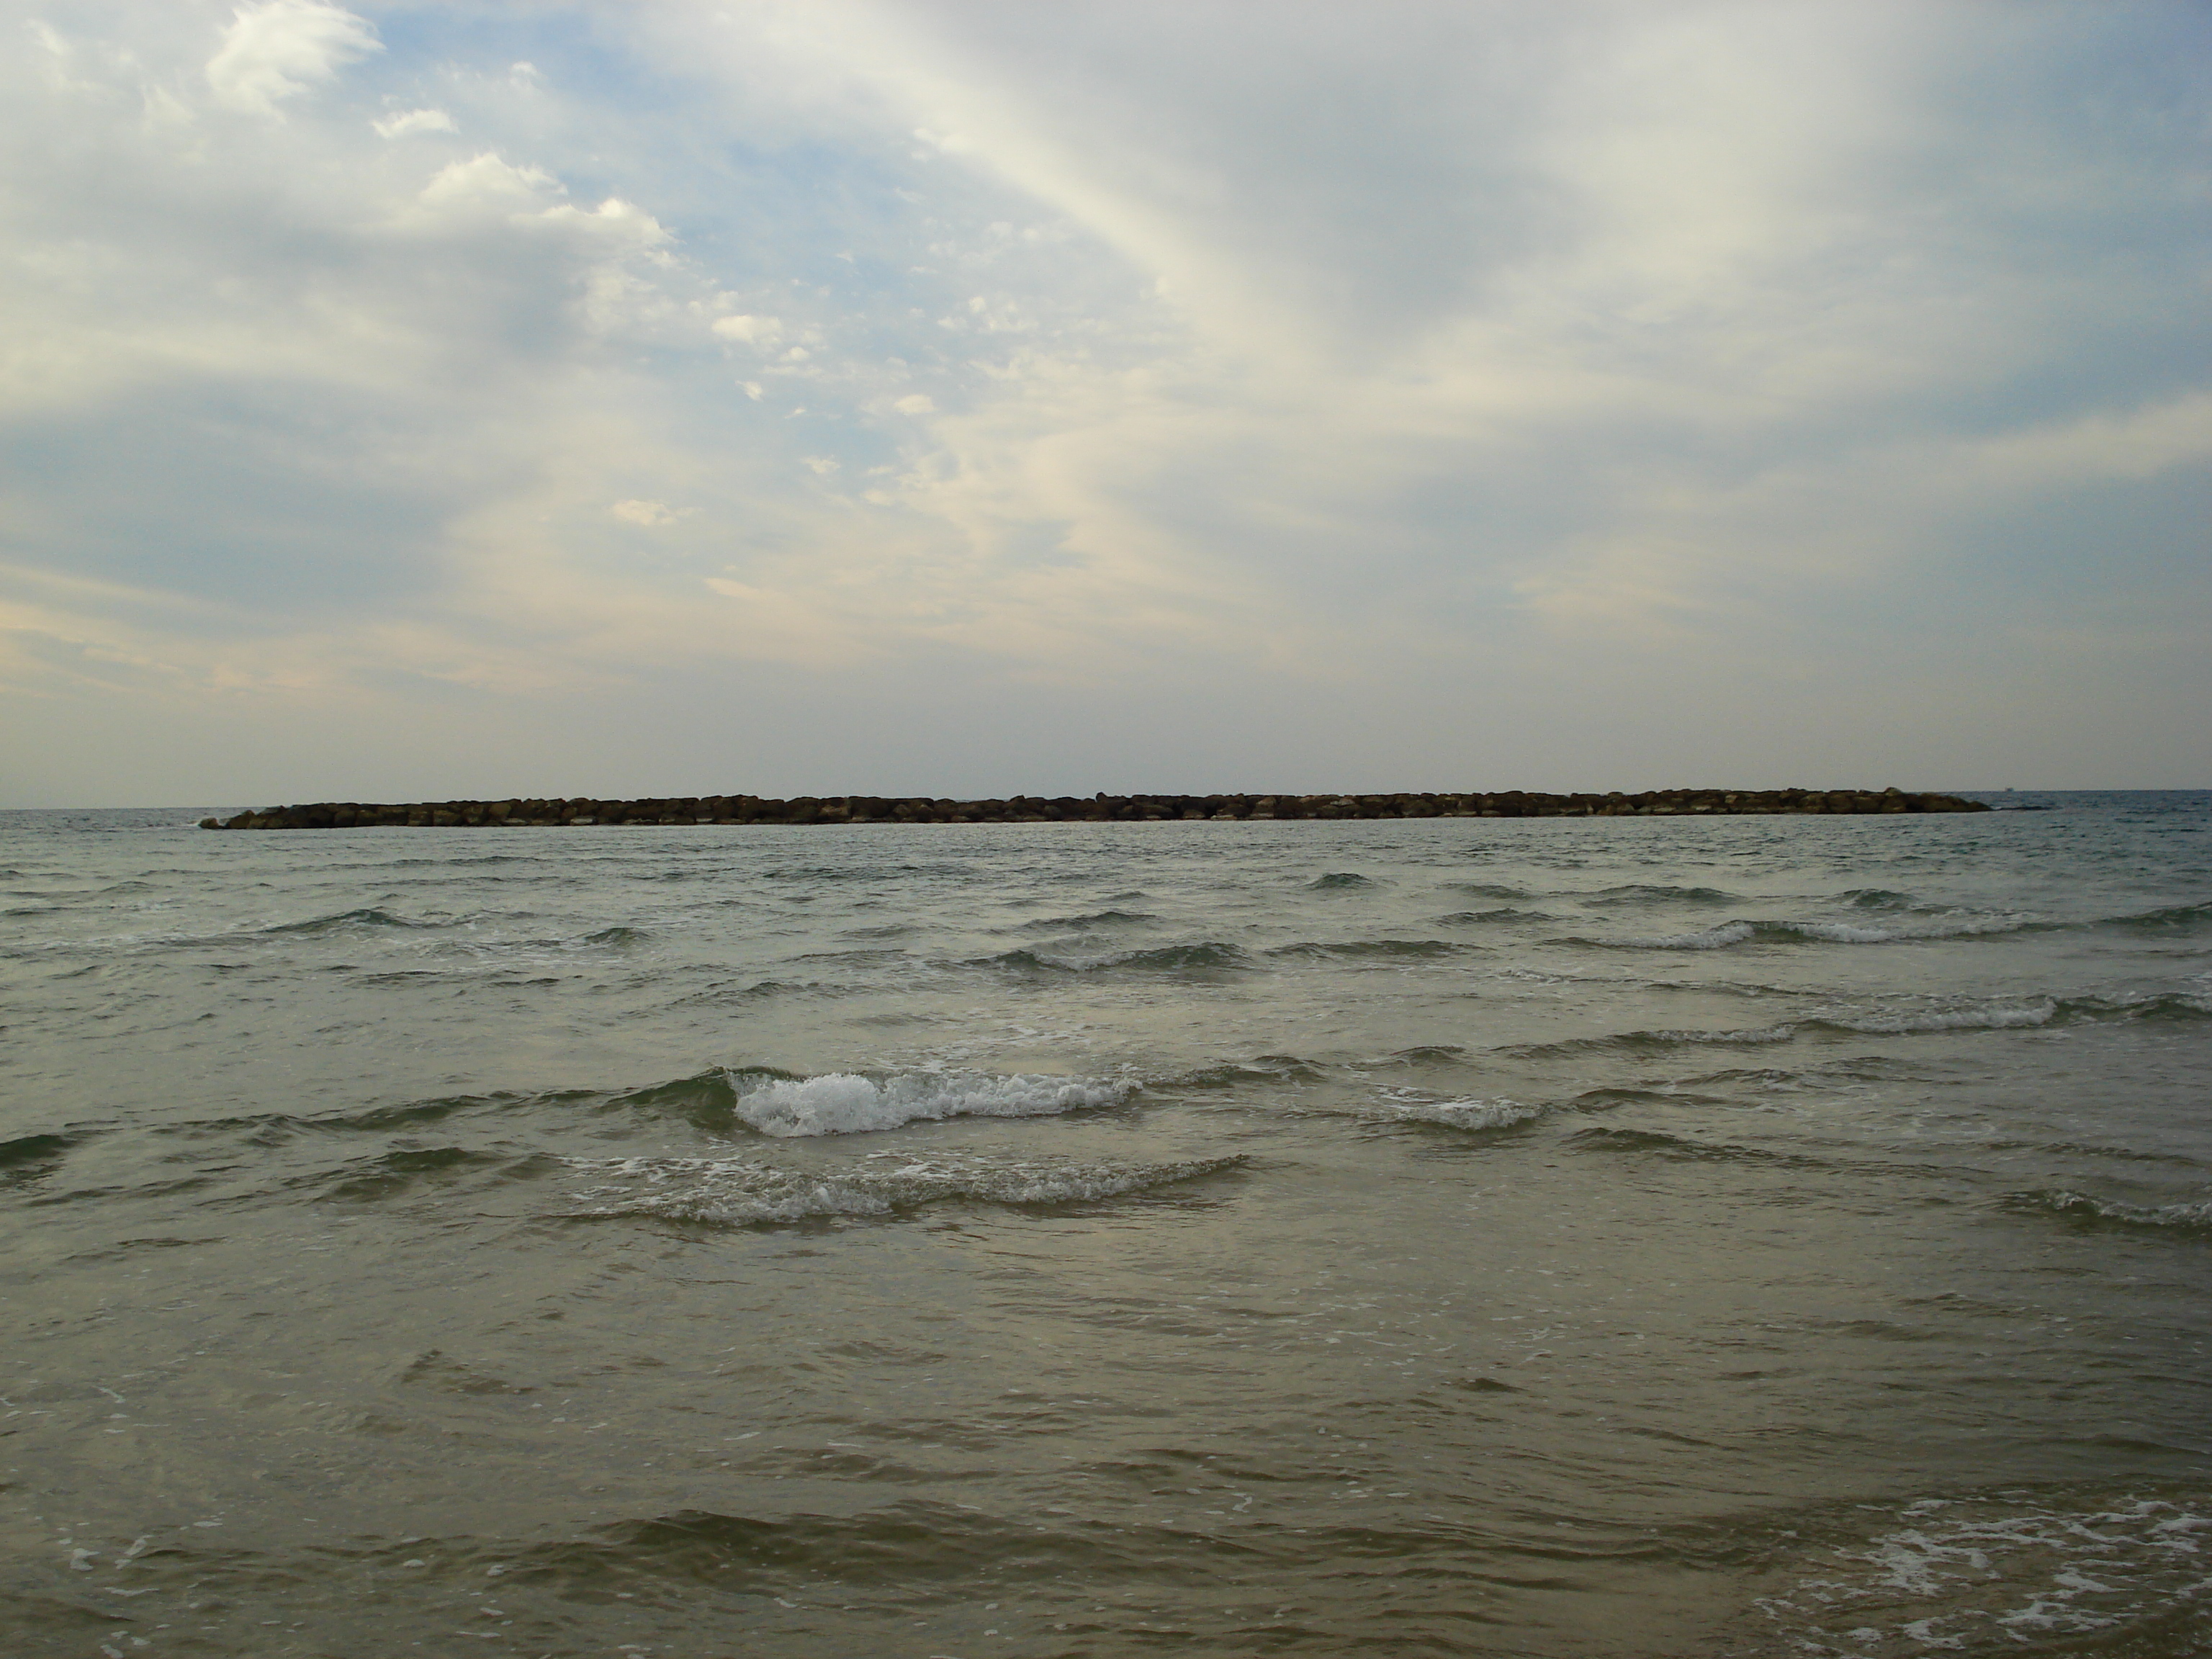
{"x":1739,"y":931}
{"x":848,"y":1103}
{"x":745,"y":1192}
{"x":1844,"y":932}
{"x":2191,"y":1215}
{"x":1756,"y":1034}
{"x":1980,"y":1576}
{"x":1475,"y":1114}
{"x":1462,"y":1114}
{"x":1954,"y":1019}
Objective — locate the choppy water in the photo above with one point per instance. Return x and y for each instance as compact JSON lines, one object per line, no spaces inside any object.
{"x":1561,"y":1237}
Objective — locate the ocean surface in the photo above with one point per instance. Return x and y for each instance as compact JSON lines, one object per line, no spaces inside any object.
{"x":1565,"y":1237}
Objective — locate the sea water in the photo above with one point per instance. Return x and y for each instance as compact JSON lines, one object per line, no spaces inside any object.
{"x":1561,"y":1237}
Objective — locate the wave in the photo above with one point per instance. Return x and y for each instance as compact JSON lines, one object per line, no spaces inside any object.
{"x":1339,"y":881}
{"x":759,"y":990}
{"x":1463,"y":918}
{"x":1964,"y":1019}
{"x":1165,"y":959}
{"x":2005,"y":1017}
{"x":1941,"y":924}
{"x":1876,"y":898}
{"x":1424,"y":1053}
{"x":1371,"y":947}
{"x":748,"y":1194}
{"x":1683,"y":1149}
{"x":618,"y":938}
{"x":393,"y":1173}
{"x":439,"y":864}
{"x":1640,"y":893}
{"x":1727,"y":934}
{"x":852,"y":1103}
{"x":1464,"y":1114}
{"x":2187,"y":1218}
{"x":28,"y":1157}
{"x":1630,"y":1042}
{"x":1954,"y":1019}
{"x":1487,"y":889}
{"x":1096,"y":919}
{"x":2169,"y":1005}
{"x":2114,"y":1572}
{"x":370,"y":917}
{"x":1263,"y":1068}
{"x":2169,"y":917}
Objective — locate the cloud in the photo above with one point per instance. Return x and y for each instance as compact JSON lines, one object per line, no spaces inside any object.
{"x":489,"y":181}
{"x":414,"y":121}
{"x":752,"y":331}
{"x":281,"y":48}
{"x":1533,"y":394}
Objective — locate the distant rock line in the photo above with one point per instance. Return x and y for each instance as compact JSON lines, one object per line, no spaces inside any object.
{"x":1070,"y":809}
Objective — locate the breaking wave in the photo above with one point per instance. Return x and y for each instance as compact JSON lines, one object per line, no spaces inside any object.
{"x":1745,"y":931}
{"x":2191,"y":1218}
{"x":851,"y":1102}
{"x":1464,"y":1113}
{"x":2123,"y":1577}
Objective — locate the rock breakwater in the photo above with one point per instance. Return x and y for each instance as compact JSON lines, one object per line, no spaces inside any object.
{"x":1073,"y":809}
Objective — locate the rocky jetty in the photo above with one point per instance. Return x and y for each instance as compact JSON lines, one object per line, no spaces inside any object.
{"x":1072,"y":809}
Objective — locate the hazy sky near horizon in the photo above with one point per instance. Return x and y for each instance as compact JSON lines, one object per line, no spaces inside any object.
{"x":412,"y":400}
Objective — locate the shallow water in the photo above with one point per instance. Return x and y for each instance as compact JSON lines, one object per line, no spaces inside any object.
{"x":1561,"y":1237}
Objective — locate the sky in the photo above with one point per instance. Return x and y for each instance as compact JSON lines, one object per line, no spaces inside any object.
{"x":410,"y":401}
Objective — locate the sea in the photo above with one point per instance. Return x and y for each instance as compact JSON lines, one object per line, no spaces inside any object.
{"x":1760,"y":1236}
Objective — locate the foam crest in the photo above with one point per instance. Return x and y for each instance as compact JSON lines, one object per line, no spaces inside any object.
{"x":1741,"y":930}
{"x":1993,"y":1576}
{"x":852,"y":1103}
{"x":1466,"y":1113}
{"x":1955,"y":1019}
{"x":2192,"y":1217}
{"x":747,"y":1193}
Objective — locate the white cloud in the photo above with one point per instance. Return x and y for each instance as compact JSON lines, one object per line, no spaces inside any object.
{"x":414,"y":121}
{"x":489,"y":181}
{"x":916,"y":404}
{"x":280,"y":48}
{"x":645,"y":513}
{"x":762,"y":332}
